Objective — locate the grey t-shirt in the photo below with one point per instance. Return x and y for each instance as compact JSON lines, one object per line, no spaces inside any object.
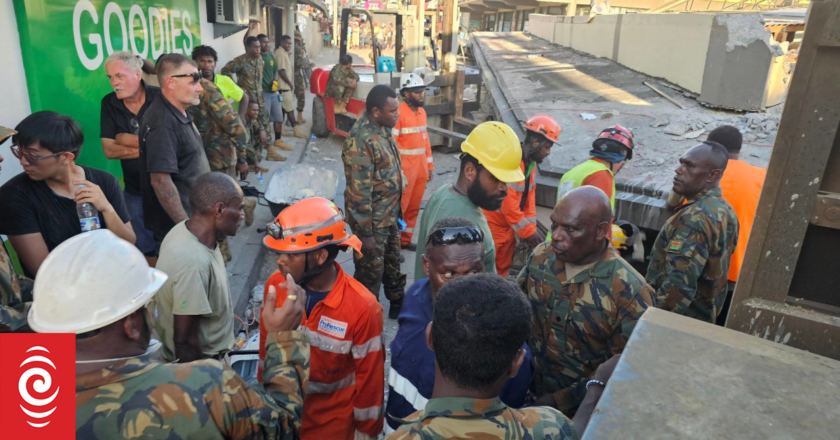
{"x":169,"y":143}
{"x":197,"y":285}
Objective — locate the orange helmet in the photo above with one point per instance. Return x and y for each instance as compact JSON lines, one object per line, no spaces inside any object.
{"x":544,"y":125}
{"x":308,"y":225}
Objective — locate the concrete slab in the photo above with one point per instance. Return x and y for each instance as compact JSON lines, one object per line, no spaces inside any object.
{"x":741,"y":387}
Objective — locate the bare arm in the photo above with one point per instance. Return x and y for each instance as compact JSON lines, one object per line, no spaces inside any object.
{"x":187,"y":347}
{"x":168,"y":196}
{"x":243,"y":106}
{"x":31,"y":249}
{"x":113,"y":149}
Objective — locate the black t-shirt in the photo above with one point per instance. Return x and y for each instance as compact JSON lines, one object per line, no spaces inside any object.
{"x":30,"y":206}
{"x":313,"y":298}
{"x":117,"y":119}
{"x":169,"y":143}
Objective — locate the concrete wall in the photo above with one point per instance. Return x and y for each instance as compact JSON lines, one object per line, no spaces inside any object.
{"x":670,"y":46}
{"x":14,"y":99}
{"x":727,"y":59}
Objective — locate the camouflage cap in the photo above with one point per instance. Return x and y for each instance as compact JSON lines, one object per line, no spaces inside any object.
{"x":6,"y":133}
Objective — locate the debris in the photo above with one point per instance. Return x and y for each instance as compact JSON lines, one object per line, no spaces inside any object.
{"x":315,"y":150}
{"x":329,"y":159}
{"x":693,"y":134}
{"x":761,"y":135}
{"x":588,"y":116}
{"x":706,"y":119}
{"x":677,"y":129}
{"x":662,"y":94}
{"x":610,"y":114}
{"x":770,"y":125}
{"x":755,"y":118}
{"x":661,"y":121}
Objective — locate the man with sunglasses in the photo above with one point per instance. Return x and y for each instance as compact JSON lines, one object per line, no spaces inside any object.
{"x":585,"y":299}
{"x":40,"y":203}
{"x":172,"y":153}
{"x":490,"y":160}
{"x":454,"y":248}
{"x":690,"y":259}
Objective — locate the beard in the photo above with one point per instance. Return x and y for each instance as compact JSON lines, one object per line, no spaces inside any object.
{"x":418,"y":103}
{"x":482,"y":199}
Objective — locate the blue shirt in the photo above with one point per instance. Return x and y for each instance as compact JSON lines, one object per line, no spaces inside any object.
{"x":412,"y":374}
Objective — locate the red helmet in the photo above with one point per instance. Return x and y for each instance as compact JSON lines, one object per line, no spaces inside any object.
{"x":544,"y":125}
{"x":617,"y":136}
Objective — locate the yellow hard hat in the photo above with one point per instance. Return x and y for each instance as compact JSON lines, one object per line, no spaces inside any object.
{"x":497,"y":148}
{"x":619,"y":237}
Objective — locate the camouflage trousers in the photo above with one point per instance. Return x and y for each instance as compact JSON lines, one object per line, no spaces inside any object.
{"x":262,"y":117}
{"x":300,"y":91}
{"x":382,"y":267}
{"x":254,"y":153}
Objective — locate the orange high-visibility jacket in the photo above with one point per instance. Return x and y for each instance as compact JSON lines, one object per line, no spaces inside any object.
{"x":741,"y":186}
{"x":522,"y":219}
{"x":346,"y":392}
{"x":412,"y":137}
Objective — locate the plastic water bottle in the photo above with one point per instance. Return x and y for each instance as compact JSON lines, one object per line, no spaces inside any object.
{"x":312,"y":137}
{"x":88,"y":215}
{"x":259,"y":175}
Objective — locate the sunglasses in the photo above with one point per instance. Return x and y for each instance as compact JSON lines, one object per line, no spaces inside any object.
{"x":20,"y":153}
{"x":196,"y":76}
{"x":459,"y":235}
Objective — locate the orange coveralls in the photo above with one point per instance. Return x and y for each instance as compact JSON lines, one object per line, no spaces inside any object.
{"x":513,"y":217}
{"x":346,"y":392}
{"x":416,"y":156}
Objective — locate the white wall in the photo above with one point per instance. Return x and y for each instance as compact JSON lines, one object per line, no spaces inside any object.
{"x":14,"y":98}
{"x":228,"y":48}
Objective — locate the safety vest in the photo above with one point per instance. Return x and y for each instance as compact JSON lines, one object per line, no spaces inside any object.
{"x":575,"y":177}
{"x":519,"y":210}
{"x":412,"y":137}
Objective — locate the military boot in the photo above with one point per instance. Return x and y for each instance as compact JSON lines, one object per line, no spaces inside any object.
{"x":274,"y":156}
{"x":299,"y":133}
{"x":282,"y":145}
{"x":250,"y":205}
{"x":300,"y":118}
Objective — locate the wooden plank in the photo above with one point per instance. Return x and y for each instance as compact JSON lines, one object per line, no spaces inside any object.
{"x":459,"y":94}
{"x":446,"y":133}
{"x":448,"y":108}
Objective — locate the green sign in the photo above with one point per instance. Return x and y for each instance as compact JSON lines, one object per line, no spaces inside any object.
{"x":65,"y":44}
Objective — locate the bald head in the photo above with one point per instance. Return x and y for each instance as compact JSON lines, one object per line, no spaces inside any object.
{"x":211,"y":189}
{"x":580,"y":224}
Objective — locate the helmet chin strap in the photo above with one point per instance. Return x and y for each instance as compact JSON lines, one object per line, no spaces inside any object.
{"x":308,"y":273}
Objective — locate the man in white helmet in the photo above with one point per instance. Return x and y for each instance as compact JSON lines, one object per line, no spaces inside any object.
{"x":415,"y":151}
{"x":98,"y":289}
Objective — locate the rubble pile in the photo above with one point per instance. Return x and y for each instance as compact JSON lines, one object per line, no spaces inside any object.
{"x":756,"y":127}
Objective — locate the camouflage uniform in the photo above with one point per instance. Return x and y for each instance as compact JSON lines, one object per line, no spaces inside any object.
{"x":690,"y":258}
{"x":249,"y":76}
{"x":221,"y":130}
{"x":142,"y":398}
{"x":15,"y":295}
{"x":338,"y":81}
{"x":485,"y":419}
{"x":255,"y":148}
{"x":579,"y":323}
{"x":301,"y":65}
{"x":372,"y":196}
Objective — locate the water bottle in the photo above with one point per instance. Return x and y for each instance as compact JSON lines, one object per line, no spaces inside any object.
{"x":312,"y":137}
{"x":259,"y":175}
{"x":88,"y":215}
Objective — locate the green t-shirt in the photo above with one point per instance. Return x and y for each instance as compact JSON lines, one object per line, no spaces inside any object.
{"x":446,"y":203}
{"x":268,"y":71}
{"x":197,"y":285}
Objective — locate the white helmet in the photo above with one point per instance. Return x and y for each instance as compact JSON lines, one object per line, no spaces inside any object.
{"x":410,"y":81}
{"x":89,"y":281}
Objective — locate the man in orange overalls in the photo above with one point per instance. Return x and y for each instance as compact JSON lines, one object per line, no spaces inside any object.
{"x":343,"y":321}
{"x":415,"y":152}
{"x":518,"y":214}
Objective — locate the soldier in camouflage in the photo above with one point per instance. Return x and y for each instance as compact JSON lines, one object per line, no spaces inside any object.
{"x":372,"y":196}
{"x":342,"y":83}
{"x":222,"y":132}
{"x":249,"y":76}
{"x":254,"y":150}
{"x":480,"y":323}
{"x":689,"y":262}
{"x":15,"y":292}
{"x":302,"y":65}
{"x":585,"y":298}
{"x":122,"y":392}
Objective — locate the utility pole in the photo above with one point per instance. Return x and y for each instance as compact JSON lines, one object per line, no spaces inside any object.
{"x":450,"y":36}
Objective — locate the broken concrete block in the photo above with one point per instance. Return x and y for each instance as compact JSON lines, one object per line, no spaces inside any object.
{"x":610,"y":114}
{"x":661,"y":121}
{"x":677,"y":129}
{"x":315,"y":150}
{"x":588,"y":116}
{"x":770,"y":125}
{"x":761,"y":135}
{"x":755,"y":118}
{"x":693,"y":134}
{"x":749,"y":138}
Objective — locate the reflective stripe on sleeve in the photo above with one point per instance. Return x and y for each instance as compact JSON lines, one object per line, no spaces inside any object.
{"x":430,"y":160}
{"x":372,"y":413}
{"x":412,"y":130}
{"x":413,"y":152}
{"x":326,"y":388}
{"x":520,"y":225}
{"x":519,"y":187}
{"x":406,"y":389}
{"x":362,"y":350}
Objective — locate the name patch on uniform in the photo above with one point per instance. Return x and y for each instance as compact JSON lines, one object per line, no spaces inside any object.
{"x":675,"y":246}
{"x":332,"y":327}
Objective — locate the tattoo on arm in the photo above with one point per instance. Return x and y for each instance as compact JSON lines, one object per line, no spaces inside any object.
{"x":168,"y":196}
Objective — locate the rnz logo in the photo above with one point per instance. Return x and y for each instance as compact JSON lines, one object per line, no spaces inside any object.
{"x":42,"y":384}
